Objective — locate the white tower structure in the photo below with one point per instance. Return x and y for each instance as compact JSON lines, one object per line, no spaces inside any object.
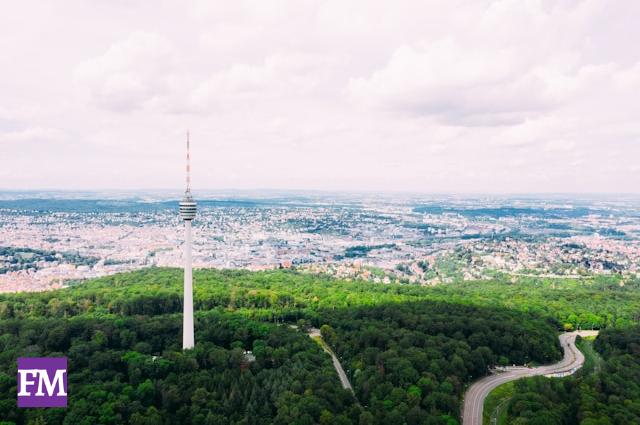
{"x":187,"y":213}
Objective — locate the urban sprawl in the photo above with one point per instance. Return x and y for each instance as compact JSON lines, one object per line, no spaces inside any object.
{"x":51,"y":243}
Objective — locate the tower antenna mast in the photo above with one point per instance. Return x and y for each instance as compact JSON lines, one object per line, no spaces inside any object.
{"x":188,"y":165}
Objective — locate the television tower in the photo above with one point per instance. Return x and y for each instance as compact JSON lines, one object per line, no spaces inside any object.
{"x":187,"y":213}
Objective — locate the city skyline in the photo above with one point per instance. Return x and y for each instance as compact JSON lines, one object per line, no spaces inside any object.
{"x":52,"y":241}
{"x":481,"y":97}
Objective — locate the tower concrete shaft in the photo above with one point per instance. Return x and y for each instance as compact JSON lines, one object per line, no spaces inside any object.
{"x":188,"y":341}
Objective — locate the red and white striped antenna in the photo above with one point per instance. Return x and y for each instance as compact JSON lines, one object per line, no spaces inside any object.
{"x":188,"y":165}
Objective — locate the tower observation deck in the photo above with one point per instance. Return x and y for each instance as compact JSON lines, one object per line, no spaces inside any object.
{"x":187,"y":207}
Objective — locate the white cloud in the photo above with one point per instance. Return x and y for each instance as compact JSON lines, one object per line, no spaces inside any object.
{"x":131,"y":73}
{"x":279,"y":75}
{"x":436,"y":95}
{"x":559,"y":145}
{"x":458,"y":85}
{"x":33,"y":134}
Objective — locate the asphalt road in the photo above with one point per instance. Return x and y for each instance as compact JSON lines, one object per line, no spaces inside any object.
{"x":474,"y":398}
{"x":315,"y":333}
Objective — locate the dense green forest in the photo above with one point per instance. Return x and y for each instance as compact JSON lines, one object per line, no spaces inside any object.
{"x":130,"y":369}
{"x":613,"y":394}
{"x":409,"y":357}
{"x":285,"y":296}
{"x":408,"y":351}
{"x":543,"y":401}
{"x":590,"y":303}
{"x":412,"y":360}
{"x":607,"y":395}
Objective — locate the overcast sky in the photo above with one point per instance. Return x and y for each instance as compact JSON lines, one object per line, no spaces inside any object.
{"x":429,"y":96}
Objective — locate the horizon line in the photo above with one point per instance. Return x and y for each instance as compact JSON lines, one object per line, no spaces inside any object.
{"x":328,"y":191}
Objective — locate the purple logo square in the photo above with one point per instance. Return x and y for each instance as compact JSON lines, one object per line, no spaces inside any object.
{"x":42,"y":382}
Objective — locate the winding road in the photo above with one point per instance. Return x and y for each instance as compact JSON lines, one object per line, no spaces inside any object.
{"x":474,"y":397}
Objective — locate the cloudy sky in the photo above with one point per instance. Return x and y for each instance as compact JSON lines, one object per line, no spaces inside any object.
{"x":429,"y":96}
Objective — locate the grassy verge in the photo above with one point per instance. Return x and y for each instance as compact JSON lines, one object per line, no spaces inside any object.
{"x":497,"y":402}
{"x":592,"y":359}
{"x":495,"y":405}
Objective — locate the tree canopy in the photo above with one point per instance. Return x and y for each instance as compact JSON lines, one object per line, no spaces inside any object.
{"x":409,"y":351}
